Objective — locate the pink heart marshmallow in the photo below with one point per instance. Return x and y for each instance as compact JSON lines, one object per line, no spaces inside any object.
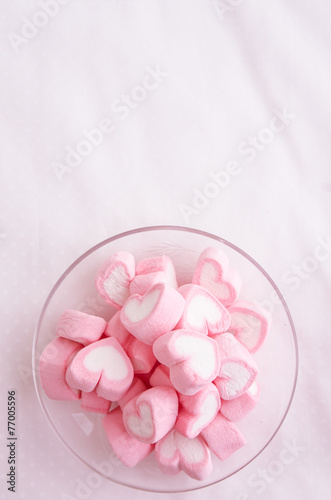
{"x":193,"y":359}
{"x":196,"y":412}
{"x":103,"y":366}
{"x":151,"y":271}
{"x":90,"y":401}
{"x":53,"y":364}
{"x":136,"y":388}
{"x":175,"y":452}
{"x":153,"y":314}
{"x":202,"y":312}
{"x":140,"y":354}
{"x":238,"y":367}
{"x":150,"y":415}
{"x":114,"y":279}
{"x":129,"y":450}
{"x":223,"y":437}
{"x":80,"y":327}
{"x":213,"y":273}
{"x":236,"y":409}
{"x":250,"y":324}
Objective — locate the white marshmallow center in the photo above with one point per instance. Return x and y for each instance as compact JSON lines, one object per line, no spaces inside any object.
{"x":142,"y":425}
{"x":136,"y":310}
{"x":201,"y":352}
{"x":210,"y":279}
{"x":201,"y":310}
{"x":237,"y":375}
{"x":117,"y":285}
{"x":208,"y":410}
{"x":109,"y":360}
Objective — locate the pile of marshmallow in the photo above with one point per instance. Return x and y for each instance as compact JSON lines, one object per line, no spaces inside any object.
{"x":173,"y":368}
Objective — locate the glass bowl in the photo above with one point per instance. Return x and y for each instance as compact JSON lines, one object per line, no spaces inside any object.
{"x":81,"y":431}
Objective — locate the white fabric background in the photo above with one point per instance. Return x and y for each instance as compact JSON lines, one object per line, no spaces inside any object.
{"x":229,"y":71}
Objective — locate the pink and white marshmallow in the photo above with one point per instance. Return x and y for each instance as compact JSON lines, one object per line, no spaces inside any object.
{"x":151,"y":271}
{"x":238,"y":367}
{"x":175,"y":452}
{"x":153,"y":314}
{"x":199,"y":337}
{"x":53,"y":364}
{"x":103,"y":366}
{"x":90,"y":401}
{"x":150,"y":415}
{"x":136,"y":388}
{"x":116,"y":329}
{"x":202,"y":312}
{"x":129,"y":450}
{"x":223,"y":437}
{"x":140,"y":354}
{"x":213,"y":273}
{"x":236,"y":409}
{"x":142,"y":283}
{"x":156,"y":264}
{"x":114,"y":279}
{"x":193,"y":359}
{"x":250,"y":324}
{"x":196,"y":412}
{"x":80,"y":327}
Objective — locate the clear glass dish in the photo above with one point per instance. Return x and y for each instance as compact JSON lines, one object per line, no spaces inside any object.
{"x":81,"y":432}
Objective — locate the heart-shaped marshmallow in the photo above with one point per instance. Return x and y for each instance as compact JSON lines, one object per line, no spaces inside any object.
{"x":53,"y":364}
{"x":202,"y":312}
{"x":213,"y":273}
{"x":223,"y":437}
{"x":238,"y":367}
{"x":250,"y":324}
{"x":128,"y":449}
{"x":143,"y":282}
{"x":90,"y":401}
{"x":136,"y":388}
{"x":196,"y":412}
{"x":151,"y":271}
{"x":140,"y":354}
{"x":80,"y":327}
{"x":237,"y":409}
{"x":153,"y":314}
{"x":114,"y":279}
{"x":150,"y":415}
{"x":116,"y":329}
{"x":103,"y":366}
{"x":175,"y":452}
{"x":193,"y":359}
